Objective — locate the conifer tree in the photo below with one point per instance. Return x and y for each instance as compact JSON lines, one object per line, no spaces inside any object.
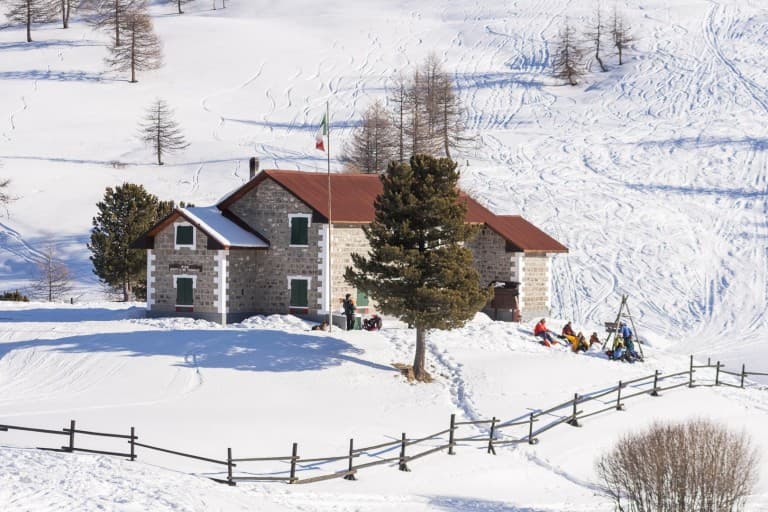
{"x":567,"y":62}
{"x":596,"y":34}
{"x":30,"y":12}
{"x":109,"y":14}
{"x":52,"y":279}
{"x":620,"y":34}
{"x":160,"y":131}
{"x":418,"y":268}
{"x":140,"y":49}
{"x":398,"y":97}
{"x":373,"y":144}
{"x":125,"y":213}
{"x":180,"y":2}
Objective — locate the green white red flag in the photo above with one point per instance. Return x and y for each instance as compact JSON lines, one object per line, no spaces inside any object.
{"x":321,"y":133}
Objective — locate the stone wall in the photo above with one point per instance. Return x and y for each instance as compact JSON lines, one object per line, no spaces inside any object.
{"x":345,"y":240}
{"x":206,"y":279}
{"x":535,"y":286}
{"x":244,"y":284}
{"x":491,"y":258}
{"x":266,"y":208}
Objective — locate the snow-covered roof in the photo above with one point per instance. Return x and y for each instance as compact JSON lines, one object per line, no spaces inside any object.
{"x":222,"y":229}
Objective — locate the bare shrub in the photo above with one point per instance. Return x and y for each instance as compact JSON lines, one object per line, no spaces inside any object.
{"x":696,"y":466}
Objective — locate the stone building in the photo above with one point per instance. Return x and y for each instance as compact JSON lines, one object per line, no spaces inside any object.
{"x":265,"y":249}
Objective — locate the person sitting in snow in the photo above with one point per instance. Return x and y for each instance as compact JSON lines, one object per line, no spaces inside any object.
{"x":577,"y":341}
{"x":541,"y":331}
{"x":593,"y":339}
{"x":322,"y":326}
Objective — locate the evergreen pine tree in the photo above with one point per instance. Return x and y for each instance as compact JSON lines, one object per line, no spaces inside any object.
{"x":125,"y":213}
{"x":418,"y":268}
{"x":160,"y":131}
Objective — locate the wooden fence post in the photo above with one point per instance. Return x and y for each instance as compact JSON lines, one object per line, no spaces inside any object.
{"x":717,"y":374}
{"x":619,"y":406}
{"x":132,"y":442}
{"x":574,"y":422}
{"x":743,"y":374}
{"x":294,"y":453}
{"x":71,"y":447}
{"x":655,"y":391}
{"x":690,"y":373}
{"x":531,"y":440}
{"x":451,"y":442}
{"x":403,"y":465}
{"x":350,"y":476}
{"x":229,"y":467}
{"x":491,"y":449}
{"x":709,"y":361}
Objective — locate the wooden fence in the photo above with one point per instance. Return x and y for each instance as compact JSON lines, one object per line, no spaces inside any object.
{"x":399,"y":451}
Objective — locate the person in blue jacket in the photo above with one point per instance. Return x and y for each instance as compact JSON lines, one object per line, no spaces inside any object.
{"x":629,"y":344}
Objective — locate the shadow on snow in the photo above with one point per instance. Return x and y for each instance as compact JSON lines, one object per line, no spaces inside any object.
{"x":460,"y":504}
{"x":236,"y":349}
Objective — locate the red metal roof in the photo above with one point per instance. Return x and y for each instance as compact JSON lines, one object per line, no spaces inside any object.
{"x":353,"y":195}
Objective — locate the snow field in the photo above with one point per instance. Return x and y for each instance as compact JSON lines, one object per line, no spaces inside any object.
{"x":263,"y":384}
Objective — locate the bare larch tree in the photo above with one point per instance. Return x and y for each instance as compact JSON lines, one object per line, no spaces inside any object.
{"x":30,"y":12}
{"x":52,"y":280}
{"x":160,"y":131}
{"x":109,"y":14}
{"x":620,"y":34}
{"x":140,"y":49}
{"x":596,"y":33}
{"x":180,"y":2}
{"x":66,"y":9}
{"x":567,"y":63}
{"x":398,"y":98}
{"x":374,"y":143}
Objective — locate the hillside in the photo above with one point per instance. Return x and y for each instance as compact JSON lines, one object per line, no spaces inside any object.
{"x":654,"y":174}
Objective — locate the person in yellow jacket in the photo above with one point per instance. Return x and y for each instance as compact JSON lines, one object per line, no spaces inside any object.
{"x":577,"y":341}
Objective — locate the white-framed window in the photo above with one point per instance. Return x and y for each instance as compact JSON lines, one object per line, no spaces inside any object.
{"x":185,"y":290}
{"x":299,"y":290}
{"x":299,"y":224}
{"x":184,"y":235}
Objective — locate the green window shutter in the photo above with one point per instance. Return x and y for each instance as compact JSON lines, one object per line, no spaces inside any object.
{"x":184,"y":235}
{"x":299,"y":297}
{"x":185,"y":295}
{"x":299,"y":231}
{"x":362,"y":298}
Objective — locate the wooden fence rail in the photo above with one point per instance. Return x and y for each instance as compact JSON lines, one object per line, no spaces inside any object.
{"x":569,"y":412}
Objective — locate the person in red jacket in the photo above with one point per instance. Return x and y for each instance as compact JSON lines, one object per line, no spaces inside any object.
{"x":545,"y":334}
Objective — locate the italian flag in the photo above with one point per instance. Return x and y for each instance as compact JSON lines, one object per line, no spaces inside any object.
{"x":322,"y":132}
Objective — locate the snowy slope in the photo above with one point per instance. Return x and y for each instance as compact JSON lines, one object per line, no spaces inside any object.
{"x":653,"y":174}
{"x":259,"y":386}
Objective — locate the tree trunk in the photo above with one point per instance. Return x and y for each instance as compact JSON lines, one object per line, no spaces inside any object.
{"x":29,"y":21}
{"x":126,"y":291}
{"x":133,"y":56}
{"x":117,"y":22}
{"x":419,"y":367}
{"x":178,"y":3}
{"x":158,"y":144}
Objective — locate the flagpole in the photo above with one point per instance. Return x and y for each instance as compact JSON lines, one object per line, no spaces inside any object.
{"x":330,"y":223}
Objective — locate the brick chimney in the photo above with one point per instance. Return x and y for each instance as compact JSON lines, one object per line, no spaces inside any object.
{"x":253,"y":165}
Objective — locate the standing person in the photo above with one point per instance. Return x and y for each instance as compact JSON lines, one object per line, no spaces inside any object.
{"x":629,"y":344}
{"x":349,"y":311}
{"x":545,"y":334}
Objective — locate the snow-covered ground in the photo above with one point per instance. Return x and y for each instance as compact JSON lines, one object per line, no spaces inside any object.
{"x":653,"y":174}
{"x":259,"y":386}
